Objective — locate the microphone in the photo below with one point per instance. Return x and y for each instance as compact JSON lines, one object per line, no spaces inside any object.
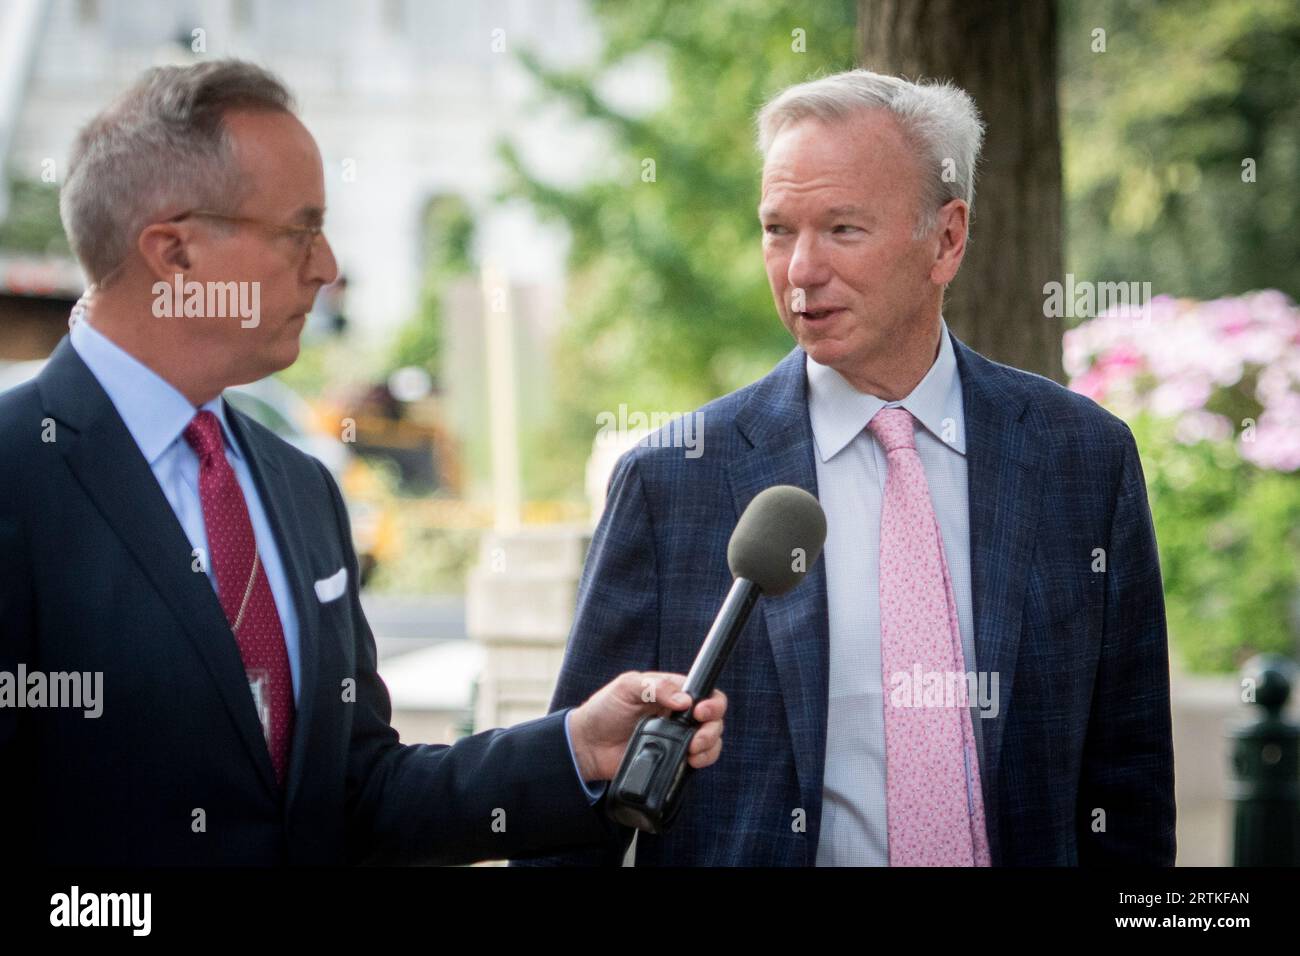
{"x":776,"y":541}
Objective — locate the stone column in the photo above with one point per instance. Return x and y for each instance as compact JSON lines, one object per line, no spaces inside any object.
{"x":520,"y":604}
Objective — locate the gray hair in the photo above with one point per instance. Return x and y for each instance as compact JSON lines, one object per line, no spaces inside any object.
{"x":939,"y":119}
{"x":160,"y":148}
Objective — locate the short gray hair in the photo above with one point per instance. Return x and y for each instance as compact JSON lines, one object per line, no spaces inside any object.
{"x":161,"y":147}
{"x":938,"y":118}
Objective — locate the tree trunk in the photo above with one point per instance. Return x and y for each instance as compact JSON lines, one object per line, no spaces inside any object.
{"x":1004,"y":55}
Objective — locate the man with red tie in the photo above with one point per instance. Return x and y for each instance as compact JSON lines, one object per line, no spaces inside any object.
{"x":200,"y":571}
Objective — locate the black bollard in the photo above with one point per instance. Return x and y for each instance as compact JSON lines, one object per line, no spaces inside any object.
{"x":1265,"y":783}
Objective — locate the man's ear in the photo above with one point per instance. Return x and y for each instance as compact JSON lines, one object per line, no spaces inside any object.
{"x":952,"y":230}
{"x":162,"y":246}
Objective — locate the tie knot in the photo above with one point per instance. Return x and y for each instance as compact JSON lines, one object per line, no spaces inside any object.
{"x":893,"y":428}
{"x":204,"y":434}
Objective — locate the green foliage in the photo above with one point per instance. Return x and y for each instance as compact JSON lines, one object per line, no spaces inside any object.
{"x":333,"y":364}
{"x":430,"y":561}
{"x":449,"y":242}
{"x":1229,"y":537}
{"x":309,"y":373}
{"x":1155,"y":132}
{"x":669,"y":303}
{"x":32,"y":223}
{"x":415,"y":555}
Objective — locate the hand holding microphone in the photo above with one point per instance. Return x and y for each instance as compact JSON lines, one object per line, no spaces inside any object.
{"x":777,"y":540}
{"x":603,"y":726}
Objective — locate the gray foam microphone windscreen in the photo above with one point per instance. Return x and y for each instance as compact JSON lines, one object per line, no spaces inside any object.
{"x":778,"y":539}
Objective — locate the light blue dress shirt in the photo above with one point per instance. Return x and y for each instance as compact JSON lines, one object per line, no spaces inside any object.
{"x":156,"y":414}
{"x":851,"y":472}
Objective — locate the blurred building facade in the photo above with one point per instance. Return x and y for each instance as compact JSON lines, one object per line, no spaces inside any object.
{"x":407,"y":99}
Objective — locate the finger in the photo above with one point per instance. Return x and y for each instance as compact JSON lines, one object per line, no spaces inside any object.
{"x":670,"y":692}
{"x":661,"y":689}
{"x":711,"y":709}
{"x":707,"y":758}
{"x":706,"y":737}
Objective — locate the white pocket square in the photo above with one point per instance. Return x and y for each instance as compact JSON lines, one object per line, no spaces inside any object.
{"x":327,"y":589}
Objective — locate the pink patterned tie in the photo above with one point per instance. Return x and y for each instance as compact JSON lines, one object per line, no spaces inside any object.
{"x":934,"y":818}
{"x":243,"y":588}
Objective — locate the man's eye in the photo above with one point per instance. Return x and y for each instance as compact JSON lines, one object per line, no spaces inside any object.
{"x":774,"y":230}
{"x":845,"y":228}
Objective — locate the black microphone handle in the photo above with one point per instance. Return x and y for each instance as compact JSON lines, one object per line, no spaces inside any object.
{"x":721,"y":639}
{"x":646,"y":792}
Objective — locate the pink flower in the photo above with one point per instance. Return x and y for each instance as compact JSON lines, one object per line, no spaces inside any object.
{"x":1202,"y":426}
{"x":1173,"y":357}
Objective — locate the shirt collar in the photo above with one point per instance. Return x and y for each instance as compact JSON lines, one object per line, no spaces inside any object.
{"x":154,"y":412}
{"x":839,"y":412}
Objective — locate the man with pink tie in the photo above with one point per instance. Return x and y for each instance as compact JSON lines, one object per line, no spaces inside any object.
{"x":959,"y":682}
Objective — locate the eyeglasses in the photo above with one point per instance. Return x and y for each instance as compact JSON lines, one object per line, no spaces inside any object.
{"x":304,"y":237}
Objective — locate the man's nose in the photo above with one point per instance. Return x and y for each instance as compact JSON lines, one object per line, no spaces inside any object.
{"x":808,"y":267}
{"x":323,"y":267}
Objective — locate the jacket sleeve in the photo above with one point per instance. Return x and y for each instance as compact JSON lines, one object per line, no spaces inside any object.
{"x":616,"y":625}
{"x":496,"y":794}
{"x":1128,"y":763}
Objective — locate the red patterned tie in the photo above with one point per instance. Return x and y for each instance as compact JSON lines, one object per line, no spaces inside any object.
{"x":243,"y":588}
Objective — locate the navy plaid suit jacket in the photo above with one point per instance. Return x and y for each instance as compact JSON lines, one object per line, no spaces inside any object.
{"x":1079,"y":761}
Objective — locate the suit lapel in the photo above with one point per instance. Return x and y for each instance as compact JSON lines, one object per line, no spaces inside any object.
{"x":279,"y":503}
{"x":775,"y":422}
{"x":1003,"y":466}
{"x":108,"y":465}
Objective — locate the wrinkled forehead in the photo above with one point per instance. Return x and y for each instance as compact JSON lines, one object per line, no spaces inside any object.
{"x":864,"y":148}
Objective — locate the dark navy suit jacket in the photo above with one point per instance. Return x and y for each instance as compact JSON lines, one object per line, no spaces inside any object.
{"x":96,"y":575}
{"x":1079,"y":764}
